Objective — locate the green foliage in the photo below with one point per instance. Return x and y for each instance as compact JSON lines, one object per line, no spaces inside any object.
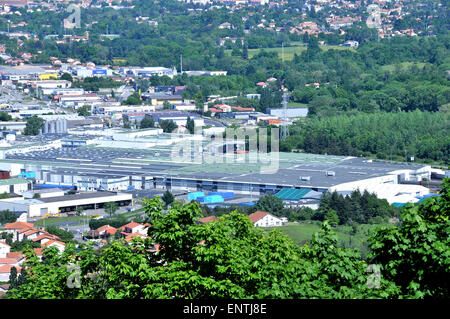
{"x":84,"y":110}
{"x":416,"y":254}
{"x":34,"y":124}
{"x":147,"y":122}
{"x":24,"y":244}
{"x":332,"y":217}
{"x":66,"y":236}
{"x":168,"y":126}
{"x":7,"y":216}
{"x":190,"y":125}
{"x":271,"y":204}
{"x":4,"y":117}
{"x":67,"y":77}
{"x":231,"y":258}
{"x":389,"y":135}
{"x":110,"y":208}
{"x":117,"y":221}
{"x":361,"y":208}
{"x":168,"y":198}
{"x":133,"y":99}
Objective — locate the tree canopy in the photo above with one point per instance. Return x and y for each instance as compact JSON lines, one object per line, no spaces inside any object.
{"x":230,"y":258}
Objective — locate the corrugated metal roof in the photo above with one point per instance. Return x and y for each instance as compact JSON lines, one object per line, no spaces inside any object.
{"x":292,"y":193}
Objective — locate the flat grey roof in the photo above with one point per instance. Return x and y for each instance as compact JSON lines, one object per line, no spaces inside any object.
{"x":77,"y":197}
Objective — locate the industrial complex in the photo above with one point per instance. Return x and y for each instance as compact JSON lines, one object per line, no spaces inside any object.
{"x":106,"y":164}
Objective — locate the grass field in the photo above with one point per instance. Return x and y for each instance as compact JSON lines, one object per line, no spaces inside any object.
{"x":290,"y":51}
{"x":300,"y":233}
{"x":296,"y":104}
{"x":403,"y":65}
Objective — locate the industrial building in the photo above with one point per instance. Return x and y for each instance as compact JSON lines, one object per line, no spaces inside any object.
{"x":121,"y":160}
{"x":60,"y":204}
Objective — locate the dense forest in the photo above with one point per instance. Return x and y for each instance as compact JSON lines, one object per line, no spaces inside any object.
{"x":391,"y":136}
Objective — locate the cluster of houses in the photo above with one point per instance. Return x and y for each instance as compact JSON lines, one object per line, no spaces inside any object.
{"x":24,"y":231}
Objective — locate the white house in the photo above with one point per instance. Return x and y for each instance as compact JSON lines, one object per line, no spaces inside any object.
{"x":133,"y":228}
{"x":5,"y":271}
{"x":14,"y":228}
{"x":55,"y":243}
{"x":4,"y":249}
{"x":264,"y":219}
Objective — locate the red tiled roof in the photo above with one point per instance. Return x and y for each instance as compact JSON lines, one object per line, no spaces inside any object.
{"x":208,"y":219}
{"x":7,"y":269}
{"x":32,"y":231}
{"x":18,"y":225}
{"x":3,"y":243}
{"x":8,"y":260}
{"x":23,"y":230}
{"x":132,"y":235}
{"x":38,"y":251}
{"x":45,"y":235}
{"x":132,"y":225}
{"x":47,"y":244}
{"x":257,"y":216}
{"x":15,"y":254}
{"x":108,"y":229}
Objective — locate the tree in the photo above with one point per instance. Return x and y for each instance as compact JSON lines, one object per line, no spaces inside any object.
{"x":190,"y":125}
{"x":4,"y":117}
{"x":67,"y":77}
{"x":271,"y":204}
{"x":415,"y":255}
{"x":147,"y":122}
{"x":133,"y":99}
{"x":7,"y":216}
{"x":110,"y":208}
{"x":167,"y":105}
{"x":13,"y":278}
{"x":168,"y":197}
{"x":332,"y":217}
{"x":84,"y":110}
{"x":245,"y":52}
{"x":34,"y":124}
{"x":66,"y":236}
{"x":167,"y":125}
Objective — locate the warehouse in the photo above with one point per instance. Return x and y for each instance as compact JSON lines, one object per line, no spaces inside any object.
{"x":14,"y":185}
{"x":67,"y":203}
{"x":162,"y":162}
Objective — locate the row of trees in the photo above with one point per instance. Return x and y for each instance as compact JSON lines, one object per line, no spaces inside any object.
{"x":237,"y":260}
{"x":396,"y":136}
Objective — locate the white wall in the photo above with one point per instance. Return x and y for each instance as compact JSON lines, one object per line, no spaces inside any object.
{"x":4,"y":250}
{"x":269,"y":221}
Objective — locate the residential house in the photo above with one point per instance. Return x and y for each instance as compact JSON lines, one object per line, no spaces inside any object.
{"x":265,"y":219}
{"x":134,"y":227}
{"x":55,"y":243}
{"x":13,"y":228}
{"x":106,"y":231}
{"x":5,"y":271}
{"x":4,"y":249}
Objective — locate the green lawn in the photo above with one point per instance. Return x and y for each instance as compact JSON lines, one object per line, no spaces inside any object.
{"x":290,"y":51}
{"x":300,"y":233}
{"x":403,"y":65}
{"x":296,"y":104}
